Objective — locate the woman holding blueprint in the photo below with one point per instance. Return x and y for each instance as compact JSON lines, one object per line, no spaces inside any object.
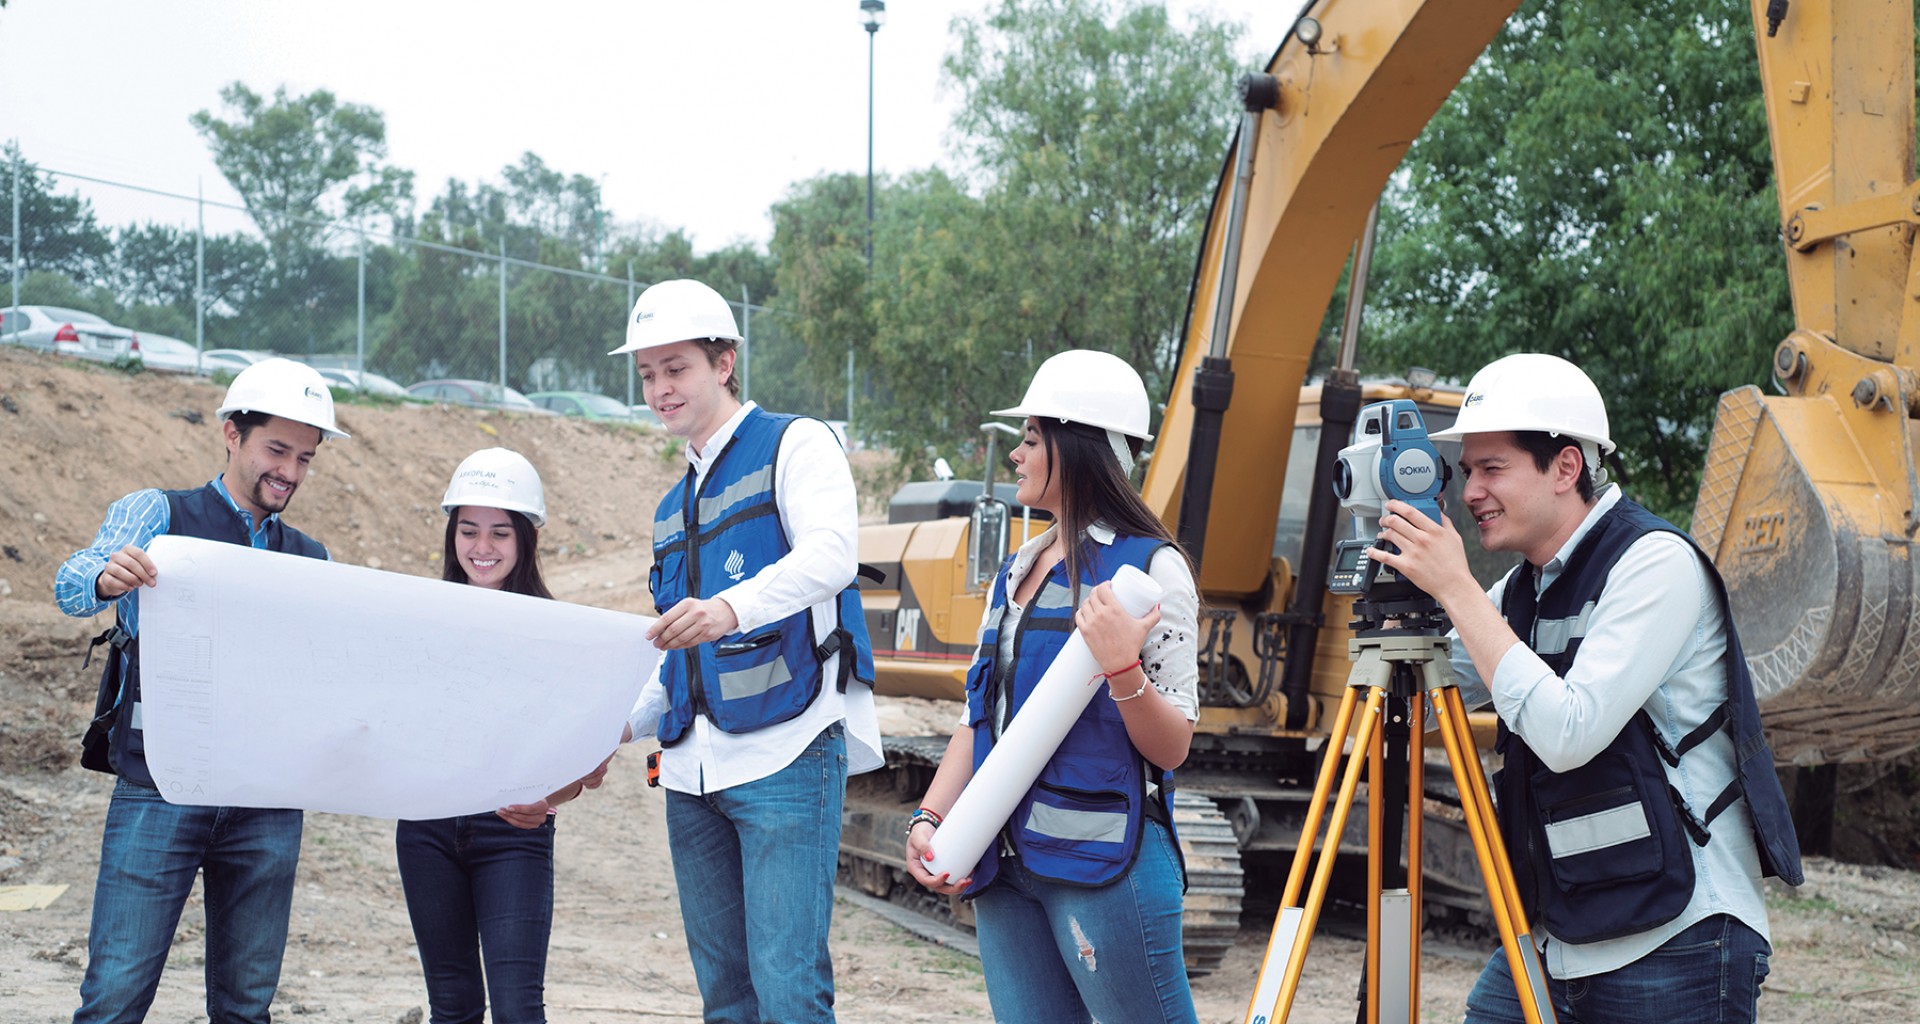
{"x":1087,"y":866}
{"x":480,"y":887}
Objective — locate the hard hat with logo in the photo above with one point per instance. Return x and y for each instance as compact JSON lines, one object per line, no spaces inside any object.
{"x":673,"y":311}
{"x":498,"y":478}
{"x":283,"y":388}
{"x":1080,"y":385}
{"x":1532,"y":391}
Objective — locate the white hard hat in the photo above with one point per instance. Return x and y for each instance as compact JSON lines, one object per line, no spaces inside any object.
{"x":283,"y":388}
{"x":674,"y":311}
{"x":1083,"y":386}
{"x":1532,"y":391}
{"x":498,"y":478}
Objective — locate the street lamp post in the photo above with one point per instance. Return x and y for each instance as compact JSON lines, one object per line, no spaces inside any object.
{"x":873,"y":14}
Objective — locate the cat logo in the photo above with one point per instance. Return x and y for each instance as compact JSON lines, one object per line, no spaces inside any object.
{"x":736,"y":566}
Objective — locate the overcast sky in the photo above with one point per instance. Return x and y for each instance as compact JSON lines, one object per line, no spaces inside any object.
{"x":698,"y":114}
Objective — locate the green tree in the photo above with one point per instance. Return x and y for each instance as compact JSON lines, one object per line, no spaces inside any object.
{"x":532,"y":204}
{"x":1599,"y":187}
{"x":302,"y":163}
{"x":1092,"y":135}
{"x":57,"y":233}
{"x":155,"y":265}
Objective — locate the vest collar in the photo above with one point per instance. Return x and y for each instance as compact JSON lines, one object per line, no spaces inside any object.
{"x":1609,"y":497}
{"x":718,"y":442}
{"x":220,"y":488}
{"x":1023,"y":559}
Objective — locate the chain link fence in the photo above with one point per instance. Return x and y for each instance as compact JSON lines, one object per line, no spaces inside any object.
{"x":203,"y":274}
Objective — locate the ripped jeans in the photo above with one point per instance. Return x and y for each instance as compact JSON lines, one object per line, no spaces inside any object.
{"x":1117,"y":955}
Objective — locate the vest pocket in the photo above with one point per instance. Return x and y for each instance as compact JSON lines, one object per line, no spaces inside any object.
{"x":750,"y":666}
{"x":668,"y":578}
{"x":1061,"y":819}
{"x":1596,"y":824}
{"x":977,"y":675}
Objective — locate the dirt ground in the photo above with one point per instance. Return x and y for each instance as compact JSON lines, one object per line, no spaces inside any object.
{"x":73,"y":438}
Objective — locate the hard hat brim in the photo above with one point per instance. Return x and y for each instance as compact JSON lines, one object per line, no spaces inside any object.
{"x":1454,"y":433}
{"x":1021,"y":412}
{"x":637,"y":346}
{"x":326,"y":433}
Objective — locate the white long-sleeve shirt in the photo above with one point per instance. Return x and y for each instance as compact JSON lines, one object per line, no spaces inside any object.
{"x":1656,"y":639}
{"x":813,"y":491}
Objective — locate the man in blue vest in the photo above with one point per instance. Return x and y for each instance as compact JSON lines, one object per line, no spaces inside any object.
{"x":763,"y":703}
{"x":1637,"y":798}
{"x":275,"y":415}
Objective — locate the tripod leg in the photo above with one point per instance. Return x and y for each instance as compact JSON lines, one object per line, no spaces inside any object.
{"x":1322,"y":789}
{"x":1286,"y":924}
{"x":1416,"y":818}
{"x":1523,"y":959}
{"x":1309,"y":912}
{"x":1377,"y":859}
{"x":1393,"y":910}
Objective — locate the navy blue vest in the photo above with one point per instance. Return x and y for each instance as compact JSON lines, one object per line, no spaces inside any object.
{"x":204,"y":513}
{"x":707,"y":541}
{"x":1623,"y":830}
{"x":1080,"y":822}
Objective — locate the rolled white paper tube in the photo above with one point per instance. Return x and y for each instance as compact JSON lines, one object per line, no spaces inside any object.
{"x":1029,"y":741}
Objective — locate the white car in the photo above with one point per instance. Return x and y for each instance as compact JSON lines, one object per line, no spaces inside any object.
{"x":67,"y":332}
{"x":357,"y":380}
{"x":230,"y":361}
{"x":168,"y":355}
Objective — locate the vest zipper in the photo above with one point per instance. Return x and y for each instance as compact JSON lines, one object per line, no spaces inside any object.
{"x":696,"y":682}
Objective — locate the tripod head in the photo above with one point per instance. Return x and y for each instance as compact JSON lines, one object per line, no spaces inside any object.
{"x":1414,"y":614}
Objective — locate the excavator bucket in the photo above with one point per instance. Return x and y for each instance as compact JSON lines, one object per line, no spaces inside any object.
{"x":1812,"y":540}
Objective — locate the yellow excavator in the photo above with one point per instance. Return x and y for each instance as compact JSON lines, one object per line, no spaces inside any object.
{"x":1808,"y":501}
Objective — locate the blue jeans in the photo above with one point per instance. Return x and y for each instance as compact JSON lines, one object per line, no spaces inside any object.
{"x":755,"y":866}
{"x":1708,"y":974}
{"x":478,"y":888}
{"x":150,"y":852}
{"x":1117,"y":955}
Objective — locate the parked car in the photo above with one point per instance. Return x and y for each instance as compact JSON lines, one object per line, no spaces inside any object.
{"x":646,"y":416}
{"x":479,"y":393}
{"x":230,"y":360}
{"x":362,"y":380}
{"x":168,"y":355}
{"x":584,"y":404}
{"x":67,"y":332}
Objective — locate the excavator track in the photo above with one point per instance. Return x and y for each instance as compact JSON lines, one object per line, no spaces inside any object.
{"x":879,"y":803}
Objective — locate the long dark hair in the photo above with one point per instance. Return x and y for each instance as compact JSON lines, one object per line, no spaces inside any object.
{"x":525,"y":577}
{"x":1093,"y":490}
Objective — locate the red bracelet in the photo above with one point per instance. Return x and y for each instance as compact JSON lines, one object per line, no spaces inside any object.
{"x":1130,"y":666}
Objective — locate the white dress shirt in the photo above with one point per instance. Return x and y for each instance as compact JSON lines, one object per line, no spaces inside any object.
{"x":813,"y":491}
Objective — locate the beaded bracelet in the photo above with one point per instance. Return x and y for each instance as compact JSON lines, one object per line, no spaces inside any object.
{"x":923,"y":814}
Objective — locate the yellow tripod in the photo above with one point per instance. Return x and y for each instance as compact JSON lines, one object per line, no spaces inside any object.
{"x":1404,"y":669}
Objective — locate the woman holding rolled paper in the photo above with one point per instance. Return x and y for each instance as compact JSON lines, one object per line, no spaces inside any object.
{"x":1086,"y":865}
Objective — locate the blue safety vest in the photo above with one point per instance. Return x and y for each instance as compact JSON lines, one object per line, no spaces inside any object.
{"x":1601,"y":851}
{"x":1080,"y":822}
{"x":707,"y":540}
{"x":204,"y":513}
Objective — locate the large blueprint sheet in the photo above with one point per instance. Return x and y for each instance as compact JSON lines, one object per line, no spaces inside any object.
{"x":270,"y":680}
